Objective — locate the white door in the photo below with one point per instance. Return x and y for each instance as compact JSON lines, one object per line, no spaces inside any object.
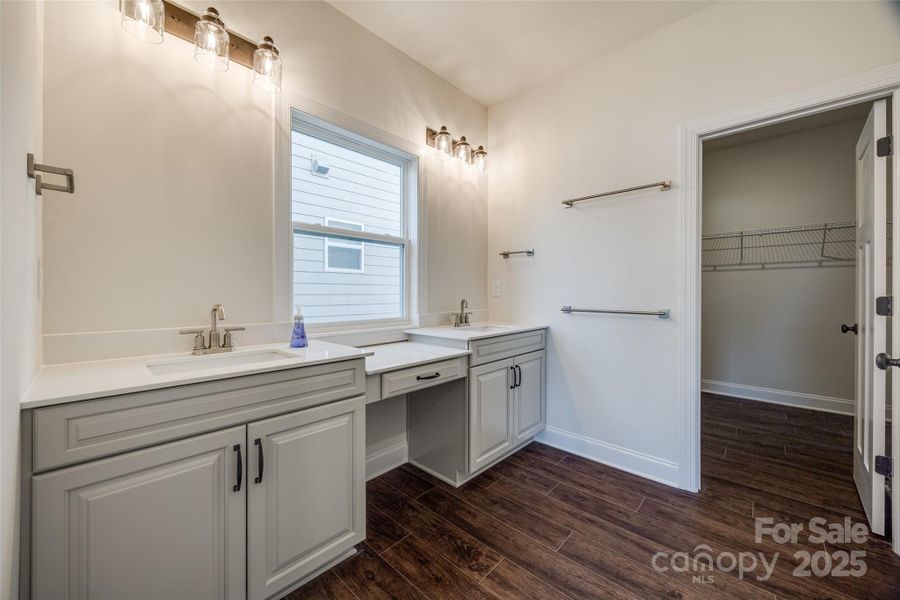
{"x":871,"y":276}
{"x":305,"y":493}
{"x":166,"y":522}
{"x":529,"y":395}
{"x":490,"y":412}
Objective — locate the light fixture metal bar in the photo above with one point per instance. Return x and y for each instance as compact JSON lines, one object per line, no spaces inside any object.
{"x":662,"y":185}
{"x":180,"y":22}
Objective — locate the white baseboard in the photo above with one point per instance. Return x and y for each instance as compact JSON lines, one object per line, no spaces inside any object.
{"x":761,"y":394}
{"x":387,"y":459}
{"x":638,"y":463}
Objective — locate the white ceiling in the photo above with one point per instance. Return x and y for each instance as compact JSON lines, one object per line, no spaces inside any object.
{"x":492,"y":49}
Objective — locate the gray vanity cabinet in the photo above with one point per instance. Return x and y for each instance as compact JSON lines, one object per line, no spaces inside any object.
{"x":165,"y":522}
{"x":250,"y":509}
{"x":506,"y":406}
{"x":302,"y":497}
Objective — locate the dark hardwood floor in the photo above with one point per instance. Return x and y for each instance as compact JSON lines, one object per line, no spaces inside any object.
{"x":546,"y":524}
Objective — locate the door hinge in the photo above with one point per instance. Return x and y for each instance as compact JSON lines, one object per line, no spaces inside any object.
{"x":884,"y":465}
{"x":884,"y":146}
{"x":884,"y":306}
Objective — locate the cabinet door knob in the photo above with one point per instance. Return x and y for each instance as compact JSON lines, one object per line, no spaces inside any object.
{"x":848,"y":328}
{"x":518,"y":375}
{"x":513,"y":386}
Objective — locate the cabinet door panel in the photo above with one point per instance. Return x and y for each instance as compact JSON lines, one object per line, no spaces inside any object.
{"x":158,"y":523}
{"x":529,"y":395}
{"x":309,"y":506}
{"x":490,"y":413}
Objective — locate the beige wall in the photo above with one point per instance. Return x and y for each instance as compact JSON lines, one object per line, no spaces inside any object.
{"x":173,"y":163}
{"x":20,"y":246}
{"x":779,"y":328}
{"x":613,"y":383}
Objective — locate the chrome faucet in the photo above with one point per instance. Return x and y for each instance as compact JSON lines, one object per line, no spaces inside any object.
{"x":461,"y":319}
{"x":217,"y":312}
{"x":216,"y":343}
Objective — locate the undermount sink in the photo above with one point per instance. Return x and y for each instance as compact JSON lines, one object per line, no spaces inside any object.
{"x":216,"y":361}
{"x":486,"y":328}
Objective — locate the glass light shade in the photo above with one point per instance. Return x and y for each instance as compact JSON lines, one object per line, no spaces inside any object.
{"x":267,"y":66}
{"x":211,"y":41}
{"x":463,"y":150}
{"x":144,"y":19}
{"x":480,"y":158}
{"x":443,"y":143}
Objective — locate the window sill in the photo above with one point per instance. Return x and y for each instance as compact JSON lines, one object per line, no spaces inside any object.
{"x":359,"y":335}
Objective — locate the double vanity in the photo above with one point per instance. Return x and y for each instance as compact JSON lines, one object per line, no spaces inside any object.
{"x":240,"y":475}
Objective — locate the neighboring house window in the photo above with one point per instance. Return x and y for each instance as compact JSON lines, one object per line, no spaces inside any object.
{"x":349,"y":205}
{"x":345,"y":256}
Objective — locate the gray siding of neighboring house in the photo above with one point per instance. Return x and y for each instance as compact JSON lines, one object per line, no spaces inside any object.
{"x":359,"y":189}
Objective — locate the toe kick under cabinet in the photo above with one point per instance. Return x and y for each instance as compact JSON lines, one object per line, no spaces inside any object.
{"x":232,"y":489}
{"x":505,"y":407}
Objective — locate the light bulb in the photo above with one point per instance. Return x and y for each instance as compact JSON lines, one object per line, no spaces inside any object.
{"x":463,"y":150}
{"x":480,"y":157}
{"x":267,"y":66}
{"x":443,"y":143}
{"x":144,"y":19}
{"x":211,"y":41}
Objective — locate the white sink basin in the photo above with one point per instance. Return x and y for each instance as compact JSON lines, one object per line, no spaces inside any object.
{"x":485,"y":328}
{"x":216,"y":361}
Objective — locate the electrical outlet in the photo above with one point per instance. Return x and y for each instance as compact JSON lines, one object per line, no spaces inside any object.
{"x":496,"y":288}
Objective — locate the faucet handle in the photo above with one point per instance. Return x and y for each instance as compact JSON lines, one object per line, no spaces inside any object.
{"x":227,"y":342}
{"x":199,"y":342}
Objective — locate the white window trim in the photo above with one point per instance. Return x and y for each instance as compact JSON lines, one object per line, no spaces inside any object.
{"x":414,"y":292}
{"x":330,"y":242}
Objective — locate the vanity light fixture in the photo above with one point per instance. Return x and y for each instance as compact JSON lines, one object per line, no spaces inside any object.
{"x":267,"y":66}
{"x":144,"y":19}
{"x":480,"y":159}
{"x":443,"y":142}
{"x":447,"y":147}
{"x":211,"y":41}
{"x":463,"y":150}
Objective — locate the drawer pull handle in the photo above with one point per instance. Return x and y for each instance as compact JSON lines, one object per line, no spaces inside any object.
{"x":260,"y":463}
{"x":240,"y":469}
{"x":424,"y":377}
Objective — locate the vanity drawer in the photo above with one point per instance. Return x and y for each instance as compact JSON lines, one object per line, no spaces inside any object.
{"x":505,"y":346}
{"x":81,"y":431}
{"x":403,"y":381}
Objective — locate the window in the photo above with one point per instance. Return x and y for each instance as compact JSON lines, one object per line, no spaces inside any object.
{"x":349,"y":207}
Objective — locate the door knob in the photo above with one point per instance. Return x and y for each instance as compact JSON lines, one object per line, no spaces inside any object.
{"x":883,"y":361}
{"x":847,"y":328}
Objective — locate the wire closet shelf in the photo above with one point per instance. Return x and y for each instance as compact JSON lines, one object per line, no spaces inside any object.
{"x":814,"y":245}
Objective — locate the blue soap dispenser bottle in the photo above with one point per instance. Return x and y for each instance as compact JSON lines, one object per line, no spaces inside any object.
{"x":298,"y":336}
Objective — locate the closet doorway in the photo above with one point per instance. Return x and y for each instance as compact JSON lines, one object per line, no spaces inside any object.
{"x":791,"y":235}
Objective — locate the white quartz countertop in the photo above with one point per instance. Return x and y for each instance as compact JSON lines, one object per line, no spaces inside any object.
{"x":56,"y":384}
{"x":476,"y":331}
{"x":400,"y":355}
